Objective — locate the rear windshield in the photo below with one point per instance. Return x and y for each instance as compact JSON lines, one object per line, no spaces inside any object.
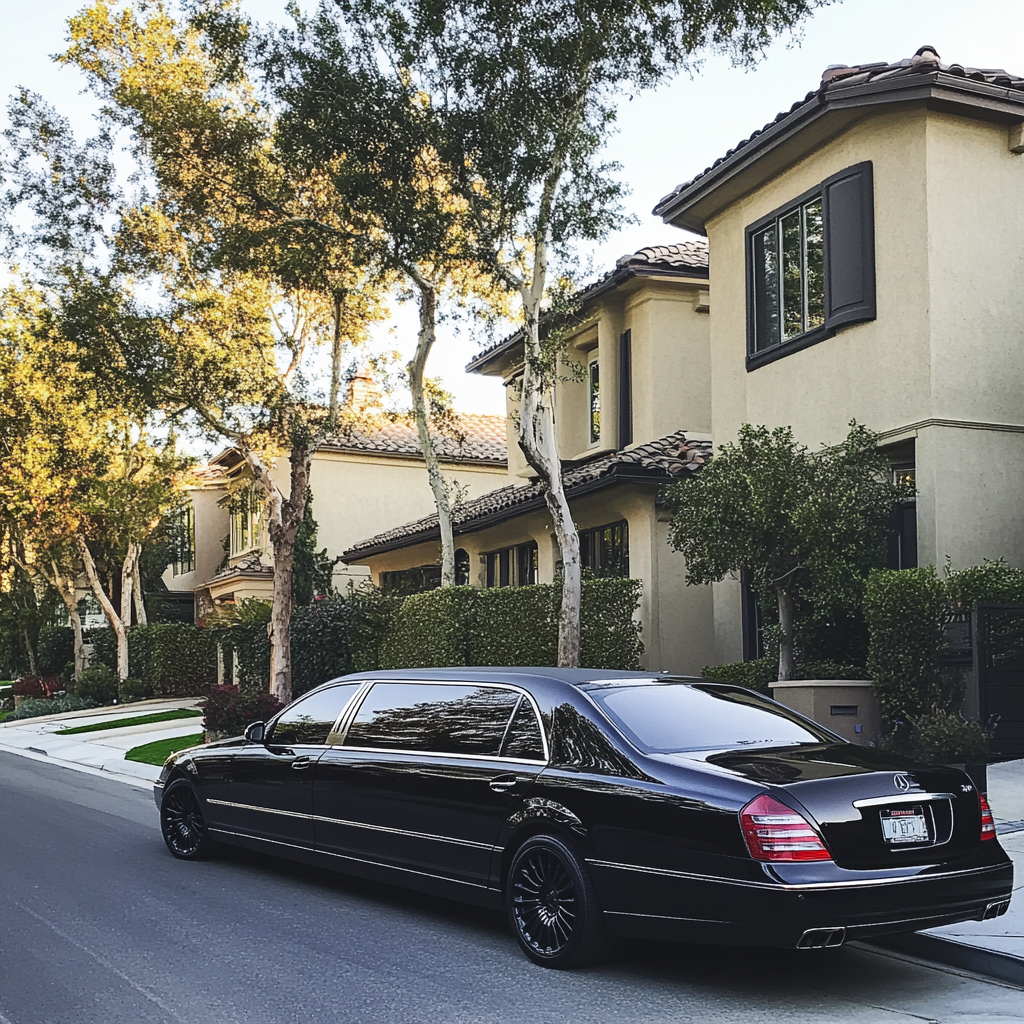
{"x":672,"y":717}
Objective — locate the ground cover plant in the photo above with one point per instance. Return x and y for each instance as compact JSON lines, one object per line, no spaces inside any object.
{"x":120,"y":723}
{"x":158,"y":751}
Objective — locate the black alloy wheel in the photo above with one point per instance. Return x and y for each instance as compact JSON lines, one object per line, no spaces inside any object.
{"x":182,"y":824}
{"x":552,"y":906}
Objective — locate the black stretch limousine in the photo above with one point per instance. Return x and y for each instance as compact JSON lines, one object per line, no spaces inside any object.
{"x":590,"y":804}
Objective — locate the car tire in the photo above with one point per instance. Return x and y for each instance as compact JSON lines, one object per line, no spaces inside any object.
{"x":552,"y":906}
{"x":182,"y":824}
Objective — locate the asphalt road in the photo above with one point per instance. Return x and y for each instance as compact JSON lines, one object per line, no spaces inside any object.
{"x":100,"y":925}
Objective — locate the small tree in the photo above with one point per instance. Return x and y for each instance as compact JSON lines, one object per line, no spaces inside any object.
{"x":796,"y":522}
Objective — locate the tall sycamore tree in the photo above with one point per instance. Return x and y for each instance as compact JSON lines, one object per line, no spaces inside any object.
{"x":261,"y":269}
{"x":527,"y":93}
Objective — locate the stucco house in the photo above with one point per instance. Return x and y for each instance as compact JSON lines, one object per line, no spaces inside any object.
{"x":637,"y":416}
{"x":867,"y":258}
{"x":361,"y":480}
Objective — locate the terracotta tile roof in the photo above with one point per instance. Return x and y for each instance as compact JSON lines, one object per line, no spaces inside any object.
{"x":839,"y":79}
{"x":484,"y":440}
{"x":655,"y":462}
{"x":682,"y":259}
{"x":249,"y":567}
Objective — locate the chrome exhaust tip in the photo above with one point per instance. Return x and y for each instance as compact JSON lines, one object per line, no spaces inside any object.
{"x":822,"y":938}
{"x":996,"y":909}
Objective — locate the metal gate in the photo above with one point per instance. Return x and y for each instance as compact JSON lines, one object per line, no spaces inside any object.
{"x":1000,"y":635}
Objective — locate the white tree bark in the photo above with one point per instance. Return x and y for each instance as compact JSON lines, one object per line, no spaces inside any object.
{"x":115,"y":620}
{"x":138,"y":596}
{"x":417,"y":372}
{"x":64,"y":584}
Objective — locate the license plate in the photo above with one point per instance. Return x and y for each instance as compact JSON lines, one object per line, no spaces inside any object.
{"x":905,"y":826}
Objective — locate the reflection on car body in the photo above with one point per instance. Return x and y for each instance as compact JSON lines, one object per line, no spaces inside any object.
{"x":592,"y":804}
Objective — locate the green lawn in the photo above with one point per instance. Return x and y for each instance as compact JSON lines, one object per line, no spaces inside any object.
{"x":158,"y":752}
{"x":118,"y":723}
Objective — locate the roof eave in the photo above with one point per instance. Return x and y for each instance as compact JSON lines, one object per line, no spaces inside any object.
{"x":617,"y":474}
{"x":820,"y":118}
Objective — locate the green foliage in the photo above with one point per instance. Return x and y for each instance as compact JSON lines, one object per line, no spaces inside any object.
{"x":97,"y":684}
{"x":312,"y":570}
{"x":33,"y":707}
{"x":938,"y":736}
{"x":338,"y":635}
{"x":990,"y":581}
{"x":104,"y":646}
{"x":430,"y":630}
{"x":754,"y":675}
{"x":56,"y":649}
{"x":134,"y":689}
{"x":905,"y":610}
{"x":515,"y":626}
{"x":173,"y":659}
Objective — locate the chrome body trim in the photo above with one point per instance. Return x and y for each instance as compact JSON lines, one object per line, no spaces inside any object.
{"x":359,"y":824}
{"x":909,"y":798}
{"x":791,"y":886}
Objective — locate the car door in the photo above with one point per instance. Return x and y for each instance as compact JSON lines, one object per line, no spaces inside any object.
{"x":271,"y":791}
{"x":422,"y":781}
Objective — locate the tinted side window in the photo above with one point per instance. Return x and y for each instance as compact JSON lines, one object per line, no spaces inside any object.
{"x":433,"y":717}
{"x":310,"y":719}
{"x":524,"y":739}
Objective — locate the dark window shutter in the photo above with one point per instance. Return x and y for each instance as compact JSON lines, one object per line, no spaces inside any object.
{"x":849,"y":213}
{"x":626,"y":389}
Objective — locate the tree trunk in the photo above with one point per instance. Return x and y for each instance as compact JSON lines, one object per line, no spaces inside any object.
{"x":284,"y":516}
{"x":116,"y":622}
{"x":141,"y":619}
{"x":785,"y":634}
{"x":65,"y":586}
{"x":538,"y":442}
{"x":336,"y":349}
{"x":417,"y":370}
{"x":30,"y":651}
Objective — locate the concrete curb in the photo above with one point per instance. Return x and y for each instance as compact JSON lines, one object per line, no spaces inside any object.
{"x":950,"y":953}
{"x":102,"y":773}
{"x":114,"y":710}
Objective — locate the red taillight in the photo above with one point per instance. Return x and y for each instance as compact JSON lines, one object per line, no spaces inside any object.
{"x":774,"y":831}
{"x":988,"y":826}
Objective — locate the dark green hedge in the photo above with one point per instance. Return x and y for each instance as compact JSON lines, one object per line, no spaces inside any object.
{"x":513,"y":626}
{"x":56,"y":648}
{"x":174,"y":659}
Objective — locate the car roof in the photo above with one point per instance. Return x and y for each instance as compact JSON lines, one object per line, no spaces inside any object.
{"x":578,"y":677}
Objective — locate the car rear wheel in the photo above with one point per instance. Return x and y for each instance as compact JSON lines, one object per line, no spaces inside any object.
{"x":182,"y":824}
{"x":552,"y":906}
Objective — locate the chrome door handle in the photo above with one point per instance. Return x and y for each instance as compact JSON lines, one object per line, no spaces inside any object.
{"x":301,"y":762}
{"x":503,"y":783}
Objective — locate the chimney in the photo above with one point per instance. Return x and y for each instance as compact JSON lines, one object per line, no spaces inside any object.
{"x":364,"y":395}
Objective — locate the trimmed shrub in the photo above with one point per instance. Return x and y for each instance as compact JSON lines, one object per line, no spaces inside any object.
{"x":754,"y":675}
{"x":515,"y":626}
{"x":104,"y":646}
{"x":32,"y":707}
{"x":227,"y":710}
{"x":97,"y":684}
{"x":173,"y":659}
{"x":610,"y":634}
{"x":134,"y":689}
{"x":939,"y":737}
{"x":56,"y":648}
{"x":905,"y":610}
{"x":430,"y":630}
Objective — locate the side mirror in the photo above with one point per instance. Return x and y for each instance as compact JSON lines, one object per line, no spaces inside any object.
{"x":255,"y":732}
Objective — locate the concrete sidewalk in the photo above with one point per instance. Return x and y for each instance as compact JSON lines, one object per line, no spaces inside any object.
{"x":103,"y":751}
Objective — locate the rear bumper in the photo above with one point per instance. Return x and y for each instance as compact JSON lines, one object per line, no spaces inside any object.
{"x":653,"y":903}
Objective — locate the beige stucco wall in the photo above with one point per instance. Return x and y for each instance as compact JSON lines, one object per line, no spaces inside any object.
{"x":945,"y":347}
{"x":211,"y":521}
{"x":357,"y":496}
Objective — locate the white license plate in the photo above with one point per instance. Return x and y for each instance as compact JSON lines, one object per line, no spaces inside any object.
{"x":907,"y":826}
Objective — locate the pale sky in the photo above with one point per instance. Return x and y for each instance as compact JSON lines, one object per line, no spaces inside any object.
{"x":665,"y":137}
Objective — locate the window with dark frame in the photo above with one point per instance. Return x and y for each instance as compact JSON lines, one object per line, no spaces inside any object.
{"x":184,"y":541}
{"x":626,"y":389}
{"x":514,"y":566}
{"x":594,"y":391}
{"x":901,"y":546}
{"x":604,"y":550}
{"x":402,"y":582}
{"x":811,"y":266}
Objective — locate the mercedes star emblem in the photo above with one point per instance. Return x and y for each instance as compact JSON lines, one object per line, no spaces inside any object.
{"x":902,"y":782}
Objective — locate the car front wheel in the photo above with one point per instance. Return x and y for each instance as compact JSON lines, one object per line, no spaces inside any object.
{"x":552,"y":906}
{"x":182,"y":824}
